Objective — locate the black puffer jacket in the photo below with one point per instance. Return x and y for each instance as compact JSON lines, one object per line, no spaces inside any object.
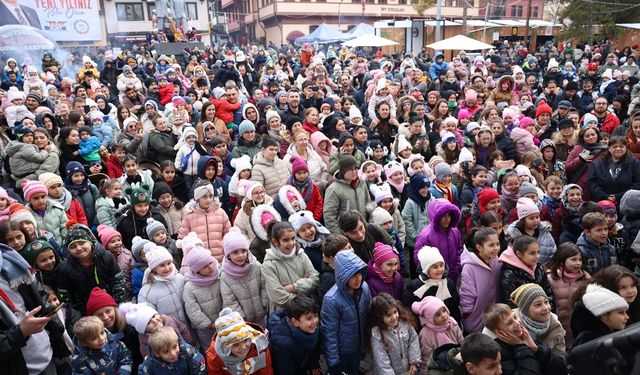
{"x":586,"y":326}
{"x":131,"y":225}
{"x":603,"y":184}
{"x":512,"y":277}
{"x":519,"y":359}
{"x":505,"y":144}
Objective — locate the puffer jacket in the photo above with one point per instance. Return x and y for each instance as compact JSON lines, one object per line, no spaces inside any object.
{"x":104,"y":133}
{"x":563,"y":291}
{"x":242,"y":147}
{"x":247,"y":295}
{"x":340,"y":197}
{"x":243,"y":221}
{"x":545,"y":239}
{"x":210,"y":226}
{"x":318,"y":170}
{"x":131,"y":143}
{"x":477,"y":288}
{"x":333,"y":160}
{"x":523,"y":141}
{"x":165,"y":296}
{"x":272,"y":175}
{"x":377,"y":285}
{"x":202,"y":305}
{"x":290,"y":356}
{"x":596,"y":257}
{"x":88,"y":201}
{"x":131,"y":225}
{"x":513,"y":274}
{"x":50,"y":164}
{"x":448,"y":241}
{"x":343,"y":316}
{"x":189,"y":361}
{"x":106,"y":211}
{"x":279,"y":271}
{"x":114,"y":358}
{"x":161,"y":146}
{"x":24,"y":158}
{"x":415,"y":220}
{"x":173,"y":218}
{"x":505,"y":144}
{"x":54,"y":220}
{"x":393,"y":353}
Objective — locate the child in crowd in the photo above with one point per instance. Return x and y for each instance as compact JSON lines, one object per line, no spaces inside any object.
{"x":171,"y":355}
{"x":597,"y":313}
{"x":618,"y":237}
{"x":35,"y":196}
{"x":310,"y":235}
{"x":187,"y":156}
{"x":623,"y":281}
{"x":442,"y":186}
{"x":384,"y":200}
{"x":288,"y":201}
{"x":134,"y":221}
{"x":135,"y":177}
{"x":395,"y":175}
{"x":111,"y":203}
{"x":238,"y":347}
{"x":552,"y":191}
{"x":565,"y":272}
{"x":57,"y":193}
{"x":98,"y":351}
{"x":594,"y":243}
{"x":175,"y":179}
{"x":333,"y":244}
{"x":394,"y":341}
{"x":77,"y":182}
{"x":89,"y":145}
{"x":414,"y":212}
{"x":88,"y":266}
{"x":137,"y":274}
{"x":163,"y":286}
{"x":438,"y":327}
{"x":383,"y":275}
{"x":478,"y":355}
{"x":478,"y":277}
{"x":44,"y":260}
{"x":112,"y":242}
{"x":112,"y":159}
{"x":242,"y":285}
{"x":294,"y":337}
{"x":529,"y":224}
{"x":157,"y":233}
{"x":306,"y":186}
{"x":571,"y":198}
{"x":521,"y":265}
{"x":169,"y":206}
{"x":287,"y":270}
{"x":472,"y":187}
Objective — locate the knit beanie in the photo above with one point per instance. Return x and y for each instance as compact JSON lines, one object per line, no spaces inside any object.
{"x":198,"y":258}
{"x":434,"y":161}
{"x":231,"y":329}
{"x":78,"y":232}
{"x":380,"y":216}
{"x":472,"y":126}
{"x":31,"y":251}
{"x":106,"y":233}
{"x":138,"y":195}
{"x":508,"y":112}
{"x":525,"y":122}
{"x":138,"y":315}
{"x":442,"y":170}
{"x":470,"y":95}
{"x":381,"y":192}
{"x":153,"y":227}
{"x":463,"y":113}
{"x":391,"y":168}
{"x":189,"y":242}
{"x":525,"y":294}
{"x":271,"y":114}
{"x":49,"y":179}
{"x":383,"y":252}
{"x":589,"y":118}
{"x":31,"y":188}
{"x":99,"y":299}
{"x":234,"y":240}
{"x":300,"y":218}
{"x":419,"y":181}
{"x":609,"y":207}
{"x":527,"y":188}
{"x":346,"y":162}
{"x":20,"y":213}
{"x":526,"y":207}
{"x":298,"y":164}
{"x":156,"y":256}
{"x":245,"y":126}
{"x":600,"y":300}
{"x":487,"y":195}
{"x":427,"y":257}
{"x":543,"y":108}
{"x":160,"y":188}
{"x":200,"y":191}
{"x":465,"y":155}
{"x":447,"y":137}
{"x":427,"y":308}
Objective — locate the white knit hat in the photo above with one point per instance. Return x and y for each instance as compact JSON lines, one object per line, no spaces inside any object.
{"x":271,"y":114}
{"x":156,"y":256}
{"x":600,"y":300}
{"x":300,"y":218}
{"x":380,"y":216}
{"x":138,"y":315}
{"x":465,"y":155}
{"x":50,"y":179}
{"x":381,"y":192}
{"x":402,"y":143}
{"x":427,"y":257}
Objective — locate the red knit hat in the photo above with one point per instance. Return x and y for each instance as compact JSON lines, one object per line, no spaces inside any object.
{"x":543,"y":108}
{"x":383,"y":252}
{"x":484,"y":197}
{"x":99,"y":299}
{"x":298,"y":164}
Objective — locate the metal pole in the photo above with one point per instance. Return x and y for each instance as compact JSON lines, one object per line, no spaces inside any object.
{"x":339,"y":25}
{"x":438,"y":16}
{"x":526,"y":27}
{"x":486,"y":18}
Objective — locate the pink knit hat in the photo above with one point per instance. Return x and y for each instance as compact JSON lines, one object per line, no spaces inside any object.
{"x":526,"y":207}
{"x":266,"y":218}
{"x":234,"y":240}
{"x":199,"y":258}
{"x":31,"y":188}
{"x":298,"y":164}
{"x":383,"y":252}
{"x":508,"y":112}
{"x":463,"y":113}
{"x":189,"y":242}
{"x":5,"y":195}
{"x":427,"y":308}
{"x":526,"y":122}
{"x":470,"y":95}
{"x":106,"y":233}
{"x":156,"y":256}
{"x":392,"y":167}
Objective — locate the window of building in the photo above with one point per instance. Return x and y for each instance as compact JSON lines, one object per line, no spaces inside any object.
{"x":534,"y":12}
{"x":516,"y":11}
{"x":402,"y":2}
{"x":192,"y":10}
{"x":130,"y":12}
{"x":382,"y":1}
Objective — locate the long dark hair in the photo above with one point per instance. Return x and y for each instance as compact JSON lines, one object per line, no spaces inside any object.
{"x":380,"y":306}
{"x":564,"y":252}
{"x":609,"y":278}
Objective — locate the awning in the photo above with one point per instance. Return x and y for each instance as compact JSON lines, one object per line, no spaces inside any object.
{"x":369,"y":40}
{"x":459,"y":42}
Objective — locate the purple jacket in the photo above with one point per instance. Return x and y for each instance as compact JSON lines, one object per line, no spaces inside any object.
{"x":377,"y":285}
{"x":448,"y":241}
{"x":478,"y":289}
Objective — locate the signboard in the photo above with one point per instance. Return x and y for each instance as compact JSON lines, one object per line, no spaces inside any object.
{"x":60,"y":20}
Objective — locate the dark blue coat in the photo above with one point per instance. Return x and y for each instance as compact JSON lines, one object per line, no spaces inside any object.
{"x":289,"y":355}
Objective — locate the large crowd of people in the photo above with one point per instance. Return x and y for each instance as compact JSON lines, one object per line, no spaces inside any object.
{"x":314,"y":209}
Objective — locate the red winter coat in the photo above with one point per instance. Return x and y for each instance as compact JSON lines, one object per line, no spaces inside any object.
{"x":314,"y":203}
{"x":611,"y":122}
{"x":76,"y":212}
{"x":114,"y":168}
{"x":166,"y":93}
{"x":224,"y":109}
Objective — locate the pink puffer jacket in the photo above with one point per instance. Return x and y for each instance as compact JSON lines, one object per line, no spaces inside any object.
{"x":210,"y":226}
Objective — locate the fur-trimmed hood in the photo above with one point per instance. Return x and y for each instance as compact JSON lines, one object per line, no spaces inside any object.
{"x":256,"y":216}
{"x":282,"y":198}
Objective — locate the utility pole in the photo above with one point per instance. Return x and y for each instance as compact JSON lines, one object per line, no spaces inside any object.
{"x":486,"y":18}
{"x":526,"y":27}
{"x":465,"y":4}
{"x":438,"y":19}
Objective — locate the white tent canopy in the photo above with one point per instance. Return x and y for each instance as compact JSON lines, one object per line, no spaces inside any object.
{"x":369,"y":40}
{"x":361,"y":29}
{"x":459,"y":42}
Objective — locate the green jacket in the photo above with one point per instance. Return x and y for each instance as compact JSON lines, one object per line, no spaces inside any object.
{"x":341,"y":197}
{"x":53,"y":221}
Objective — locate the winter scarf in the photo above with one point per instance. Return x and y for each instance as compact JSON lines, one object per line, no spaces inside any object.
{"x":15,"y":268}
{"x":307,"y":340}
{"x":65,"y":200}
{"x":534,"y":327}
{"x":374,"y":267}
{"x":203,"y":281}
{"x":570,"y":276}
{"x":510,"y":196}
{"x":509,"y":257}
{"x":80,"y":189}
{"x":419,"y":199}
{"x":441,"y":329}
{"x":446,"y":190}
{"x":301,"y":186}
{"x":235,"y":271}
{"x":442,"y":293}
{"x":137,"y":179}
{"x":399,"y":187}
{"x":282,"y":255}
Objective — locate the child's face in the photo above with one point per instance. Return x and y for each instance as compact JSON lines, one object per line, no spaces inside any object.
{"x":141,"y":209}
{"x":616,"y":320}
{"x":160,"y":237}
{"x":445,"y":221}
{"x":307,"y":232}
{"x":119,"y":154}
{"x":397,"y":177}
{"x":287,"y":242}
{"x":29,"y":227}
{"x":610,"y":219}
{"x":387,"y":226}
{"x":573,"y":264}
{"x":131,"y":168}
{"x":168,"y":174}
{"x":489,"y":248}
{"x":554,"y":190}
{"x":80,"y":250}
{"x":84,"y":136}
{"x":512,"y":184}
{"x":55,"y":192}
{"x":598,"y":234}
{"x":170,"y":353}
{"x":15,"y":239}
{"x":441,"y":317}
{"x":370,"y":172}
{"x":540,"y":309}
{"x":387,"y":203}
{"x":378,"y":153}
{"x":355,"y":281}
{"x":390,"y":266}
{"x":155,"y":323}
{"x":487,"y":366}
{"x":164,"y":269}
{"x":210,"y":171}
{"x":46,"y":260}
{"x":77,"y":178}
{"x":451,"y":146}
{"x":446,"y":180}
{"x":424,"y":191}
{"x":295,"y":204}
{"x":418,"y":165}
{"x":53,"y":300}
{"x":436,"y":271}
{"x":241,"y":349}
{"x":245,"y":174}
{"x":480,"y":179}
{"x":205,"y":201}
{"x":165,"y":200}
{"x":115,"y":244}
{"x":39,"y":201}
{"x":405,"y":154}
{"x":98,"y":342}
{"x":391,"y":318}
{"x":4,"y":202}
{"x":450,"y":126}
{"x":511,"y":324}
{"x":239,"y":257}
{"x":207,"y":270}
{"x":191,"y":140}
{"x":574,"y":197}
{"x":530,"y":256}
{"x":532,"y":222}
{"x":301,"y":175}
{"x":307,"y":323}
{"x":628,"y":289}
{"x":548,"y":153}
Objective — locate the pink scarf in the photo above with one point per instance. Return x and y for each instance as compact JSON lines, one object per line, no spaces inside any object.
{"x":203,"y":281}
{"x":570,"y":276}
{"x":387,"y":279}
{"x":509,"y":257}
{"x":399,"y":187}
{"x":235,"y":271}
{"x":441,"y":330}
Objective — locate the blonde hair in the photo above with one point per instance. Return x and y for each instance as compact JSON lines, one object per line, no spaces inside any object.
{"x":87,"y":328}
{"x":162,"y":339}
